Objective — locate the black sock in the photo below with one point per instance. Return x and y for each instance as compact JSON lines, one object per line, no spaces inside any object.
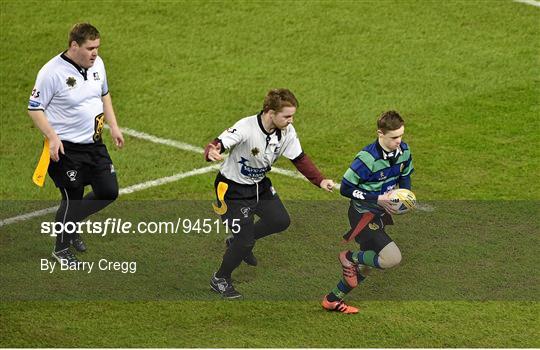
{"x":332,"y":297}
{"x":232,"y":258}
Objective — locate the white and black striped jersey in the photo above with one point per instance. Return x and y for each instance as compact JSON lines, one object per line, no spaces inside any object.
{"x":71,"y":98}
{"x":253,"y":150}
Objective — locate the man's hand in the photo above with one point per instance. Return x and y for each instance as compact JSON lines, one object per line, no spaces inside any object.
{"x":214,"y":152}
{"x":55,"y":147}
{"x":327,"y":185}
{"x":117,"y":137}
{"x":384,"y":201}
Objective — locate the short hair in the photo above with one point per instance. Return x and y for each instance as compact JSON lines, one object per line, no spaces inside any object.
{"x":276,"y":99}
{"x":389,"y":121}
{"x":81,"y":32}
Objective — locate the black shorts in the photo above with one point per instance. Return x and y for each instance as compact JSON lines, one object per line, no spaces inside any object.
{"x":79,"y":164}
{"x":372,"y":236}
{"x":244,"y":200}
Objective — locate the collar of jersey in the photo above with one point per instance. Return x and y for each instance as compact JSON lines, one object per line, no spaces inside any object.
{"x":79,"y":68}
{"x":259,"y":121}
{"x":388,"y":155}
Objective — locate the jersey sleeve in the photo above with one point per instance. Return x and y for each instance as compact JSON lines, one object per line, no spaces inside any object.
{"x":405,"y":176}
{"x":43,"y":91}
{"x":234,"y":135}
{"x":358,"y":173}
{"x":105,"y":86}
{"x":408,"y":168}
{"x":291,"y":147}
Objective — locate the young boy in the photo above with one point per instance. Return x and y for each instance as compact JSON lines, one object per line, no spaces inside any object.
{"x":379,"y":168}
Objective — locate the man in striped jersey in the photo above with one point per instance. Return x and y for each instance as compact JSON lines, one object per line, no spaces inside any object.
{"x":379,"y":168}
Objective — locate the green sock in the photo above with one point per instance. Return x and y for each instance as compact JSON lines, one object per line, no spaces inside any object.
{"x":368,"y":257}
{"x":341,"y":290}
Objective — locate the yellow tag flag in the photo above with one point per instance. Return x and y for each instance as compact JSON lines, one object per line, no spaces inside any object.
{"x":43,"y":165}
{"x":221,"y":189}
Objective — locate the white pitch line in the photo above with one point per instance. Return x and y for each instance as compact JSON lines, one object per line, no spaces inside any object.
{"x":162,"y":141}
{"x":28,"y":216}
{"x":191,"y":148}
{"x":290,"y":173}
{"x":529,"y":2}
{"x":168,"y":179}
{"x":127,"y":190}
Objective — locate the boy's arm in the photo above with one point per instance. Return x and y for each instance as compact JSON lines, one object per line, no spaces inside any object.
{"x":405,"y":176}
{"x":405,"y":182}
{"x":350,"y":187}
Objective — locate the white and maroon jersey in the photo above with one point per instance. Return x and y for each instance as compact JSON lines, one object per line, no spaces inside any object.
{"x":253,"y":150}
{"x":70,"y":97}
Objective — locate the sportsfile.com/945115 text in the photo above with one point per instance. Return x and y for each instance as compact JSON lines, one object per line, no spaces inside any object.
{"x":120,"y":226}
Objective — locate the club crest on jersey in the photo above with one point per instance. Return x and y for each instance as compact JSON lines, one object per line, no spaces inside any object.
{"x":382,"y":176}
{"x":255,"y":152}
{"x":245,"y":211}
{"x":71,"y":81}
{"x":72,"y":174}
{"x":251,"y":172}
{"x":373,"y":226}
{"x":96,"y":76}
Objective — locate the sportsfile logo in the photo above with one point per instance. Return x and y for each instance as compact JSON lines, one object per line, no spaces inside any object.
{"x":96,"y":227}
{"x":120,"y":226}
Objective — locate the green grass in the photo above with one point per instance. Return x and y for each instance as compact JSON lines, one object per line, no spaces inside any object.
{"x":464,"y":74}
{"x":280,"y":324}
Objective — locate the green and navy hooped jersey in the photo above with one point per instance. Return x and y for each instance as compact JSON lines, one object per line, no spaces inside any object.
{"x":374,"y":172}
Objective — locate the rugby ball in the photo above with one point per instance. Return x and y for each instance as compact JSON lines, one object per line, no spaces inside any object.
{"x":403,"y":200}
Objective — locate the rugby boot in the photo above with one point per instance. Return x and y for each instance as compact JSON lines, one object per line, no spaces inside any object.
{"x":224,"y":287}
{"x":338,"y":306}
{"x":66,"y":256}
{"x":79,"y":245}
